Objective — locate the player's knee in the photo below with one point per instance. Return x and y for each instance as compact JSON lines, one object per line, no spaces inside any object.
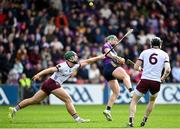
{"x":67,"y":100}
{"x":134,"y":102}
{"x":125,"y":77}
{"x":152,"y":99}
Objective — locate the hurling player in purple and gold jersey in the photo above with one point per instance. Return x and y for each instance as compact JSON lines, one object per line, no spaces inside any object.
{"x":113,"y":72}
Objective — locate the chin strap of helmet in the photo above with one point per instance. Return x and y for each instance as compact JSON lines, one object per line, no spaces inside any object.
{"x":72,"y":61}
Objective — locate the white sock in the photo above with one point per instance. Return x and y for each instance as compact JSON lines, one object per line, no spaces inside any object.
{"x":77,"y":119}
{"x":14,"y":109}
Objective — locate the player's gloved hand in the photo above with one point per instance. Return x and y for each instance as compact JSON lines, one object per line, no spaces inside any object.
{"x":120,"y":60}
{"x":140,"y":69}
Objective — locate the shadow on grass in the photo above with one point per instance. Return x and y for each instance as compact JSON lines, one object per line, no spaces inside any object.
{"x":47,"y":122}
{"x":41,"y":122}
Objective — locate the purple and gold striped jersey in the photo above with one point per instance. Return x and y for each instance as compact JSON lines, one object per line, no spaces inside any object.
{"x":107,"y":60}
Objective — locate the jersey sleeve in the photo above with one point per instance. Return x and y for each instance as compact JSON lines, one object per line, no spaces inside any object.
{"x":77,"y":66}
{"x":104,"y":47}
{"x":141,"y":57}
{"x":59,"y":67}
{"x":166,"y":58}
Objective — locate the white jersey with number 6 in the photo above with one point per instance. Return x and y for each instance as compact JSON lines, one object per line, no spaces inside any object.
{"x":64,"y":72}
{"x":153,"y":63}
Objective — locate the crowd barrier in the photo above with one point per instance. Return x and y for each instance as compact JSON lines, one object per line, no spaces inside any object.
{"x":95,"y":94}
{"x":82,"y":94}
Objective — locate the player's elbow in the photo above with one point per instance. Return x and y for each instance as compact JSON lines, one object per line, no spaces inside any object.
{"x":83,"y":63}
{"x":168,"y":70}
{"x":88,"y":62}
{"x":52,"y":69}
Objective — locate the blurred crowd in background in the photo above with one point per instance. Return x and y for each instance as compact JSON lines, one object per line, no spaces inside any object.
{"x":35,"y":34}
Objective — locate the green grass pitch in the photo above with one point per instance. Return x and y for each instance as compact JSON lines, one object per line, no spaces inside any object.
{"x":43,"y":116}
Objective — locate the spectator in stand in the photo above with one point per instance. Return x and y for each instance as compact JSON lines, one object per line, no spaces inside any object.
{"x":153,"y":23}
{"x":99,"y":37}
{"x":57,"y":4}
{"x":105,"y":12}
{"x":131,"y":39}
{"x":176,"y":72}
{"x":44,"y":42}
{"x":13,"y":77}
{"x":102,"y":26}
{"x":61,"y":20}
{"x":34,"y":56}
{"x":94,"y":74}
{"x":50,"y":26}
{"x":28,"y":70}
{"x":50,"y":35}
{"x":45,"y":56}
{"x":77,"y":26}
{"x":21,"y":53}
{"x":11,"y":20}
{"x":25,"y":81}
{"x":15,"y":72}
{"x":56,"y":45}
{"x":2,"y":16}
{"x":141,"y":38}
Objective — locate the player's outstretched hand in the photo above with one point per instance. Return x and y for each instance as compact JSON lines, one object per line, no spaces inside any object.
{"x":102,"y":56}
{"x":36,"y":77}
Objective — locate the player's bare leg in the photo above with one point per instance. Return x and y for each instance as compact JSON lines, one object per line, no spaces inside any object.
{"x":63,"y":95}
{"x":132,"y":109}
{"x":121,"y":74}
{"x":39,"y":96}
{"x":149,"y":109}
{"x":114,"y":85}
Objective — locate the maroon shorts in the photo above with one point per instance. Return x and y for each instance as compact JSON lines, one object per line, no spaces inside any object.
{"x":49,"y":85}
{"x":144,"y":85}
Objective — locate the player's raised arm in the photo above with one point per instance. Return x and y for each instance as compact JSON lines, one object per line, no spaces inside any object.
{"x":44,"y":72}
{"x":91,"y":60}
{"x":114,"y":56}
{"x":112,"y":40}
